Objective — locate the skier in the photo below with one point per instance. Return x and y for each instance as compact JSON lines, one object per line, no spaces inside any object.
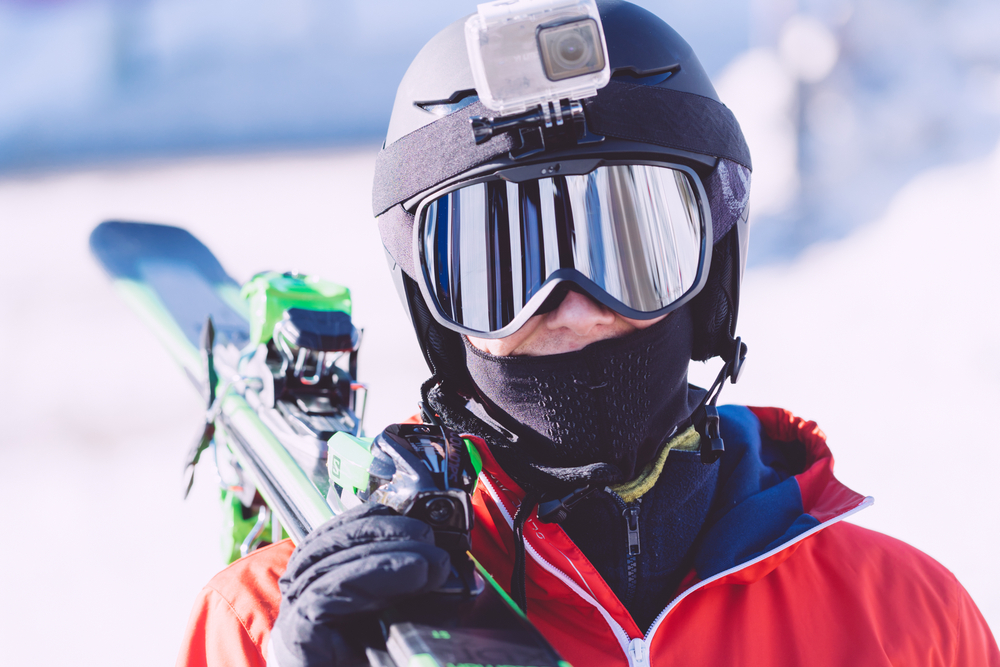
{"x":692,"y":535}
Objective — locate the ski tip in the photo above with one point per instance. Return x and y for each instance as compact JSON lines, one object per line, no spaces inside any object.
{"x":122,"y":247}
{"x":181,"y":280}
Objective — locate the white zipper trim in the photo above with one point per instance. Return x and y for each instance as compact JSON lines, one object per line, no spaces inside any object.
{"x":867,"y":502}
{"x":580,"y":574}
{"x":623,"y":639}
{"x":628,"y":645}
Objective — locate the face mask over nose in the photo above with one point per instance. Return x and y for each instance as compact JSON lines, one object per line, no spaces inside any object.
{"x":615,"y":402}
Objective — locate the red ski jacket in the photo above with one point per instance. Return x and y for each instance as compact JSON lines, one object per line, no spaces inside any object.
{"x":778,"y":578}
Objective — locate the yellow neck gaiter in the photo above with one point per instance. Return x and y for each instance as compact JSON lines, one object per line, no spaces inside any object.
{"x":688,"y":441}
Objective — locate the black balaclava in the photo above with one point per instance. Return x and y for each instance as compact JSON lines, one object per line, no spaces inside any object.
{"x":599,"y":414}
{"x":588,"y":418}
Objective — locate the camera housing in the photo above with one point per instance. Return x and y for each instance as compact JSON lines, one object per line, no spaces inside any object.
{"x":530,"y":52}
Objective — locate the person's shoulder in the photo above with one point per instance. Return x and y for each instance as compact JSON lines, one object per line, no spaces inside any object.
{"x":248,"y":589}
{"x":232,"y":617}
{"x":903,"y":590}
{"x":871,"y":550}
{"x":254,"y":578}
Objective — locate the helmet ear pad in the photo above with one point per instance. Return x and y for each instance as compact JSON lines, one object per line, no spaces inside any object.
{"x":443,"y":349}
{"x":714,"y":309}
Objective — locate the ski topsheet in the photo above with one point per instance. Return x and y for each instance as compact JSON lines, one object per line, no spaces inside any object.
{"x":177,"y":286}
{"x":174,"y":283}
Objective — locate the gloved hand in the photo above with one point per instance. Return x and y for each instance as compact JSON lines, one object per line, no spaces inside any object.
{"x":355,"y":563}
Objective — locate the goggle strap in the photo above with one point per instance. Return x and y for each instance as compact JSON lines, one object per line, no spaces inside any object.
{"x":446,"y":148}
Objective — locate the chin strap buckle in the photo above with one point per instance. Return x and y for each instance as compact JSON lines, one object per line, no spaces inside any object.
{"x":735,"y":366}
{"x":556,"y":511}
{"x":712,"y":446}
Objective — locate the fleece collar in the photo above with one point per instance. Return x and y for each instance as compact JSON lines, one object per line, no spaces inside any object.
{"x":775,"y":485}
{"x":630,"y":491}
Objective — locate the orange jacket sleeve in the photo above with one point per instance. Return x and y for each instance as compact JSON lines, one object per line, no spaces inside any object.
{"x":231,"y":622}
{"x":974,"y":643}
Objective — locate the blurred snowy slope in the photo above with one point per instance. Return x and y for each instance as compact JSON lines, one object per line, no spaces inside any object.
{"x":886,"y":339}
{"x":910,"y":85}
{"x":96,"y":424}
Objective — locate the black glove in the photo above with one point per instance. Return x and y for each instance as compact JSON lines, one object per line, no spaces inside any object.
{"x":353,"y":564}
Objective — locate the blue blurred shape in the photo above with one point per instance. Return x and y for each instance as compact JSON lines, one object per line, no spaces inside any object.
{"x":93,"y":79}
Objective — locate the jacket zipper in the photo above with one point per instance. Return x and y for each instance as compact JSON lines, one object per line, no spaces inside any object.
{"x":637,"y":655}
{"x":630,"y":512}
{"x":635,"y":649}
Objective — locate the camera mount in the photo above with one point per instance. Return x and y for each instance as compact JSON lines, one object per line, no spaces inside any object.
{"x":546,"y":127}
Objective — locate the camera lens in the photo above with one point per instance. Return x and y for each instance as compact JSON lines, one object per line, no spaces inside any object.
{"x":570,"y":50}
{"x":440,"y":510}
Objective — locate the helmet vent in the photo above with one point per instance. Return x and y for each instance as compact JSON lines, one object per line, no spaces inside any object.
{"x":442,"y":108}
{"x":652,"y":77}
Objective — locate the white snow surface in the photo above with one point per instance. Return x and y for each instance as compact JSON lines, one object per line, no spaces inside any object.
{"x":885,"y":338}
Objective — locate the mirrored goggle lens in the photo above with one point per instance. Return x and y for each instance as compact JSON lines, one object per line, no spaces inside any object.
{"x":487,"y":248}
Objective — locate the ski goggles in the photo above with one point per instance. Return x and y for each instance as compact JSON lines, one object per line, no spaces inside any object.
{"x":636,"y":237}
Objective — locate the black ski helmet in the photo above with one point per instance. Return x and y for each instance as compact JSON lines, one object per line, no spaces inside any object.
{"x":659,"y":104}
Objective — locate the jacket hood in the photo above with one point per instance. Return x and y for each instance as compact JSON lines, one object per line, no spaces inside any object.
{"x":775,"y":487}
{"x":776,"y":483}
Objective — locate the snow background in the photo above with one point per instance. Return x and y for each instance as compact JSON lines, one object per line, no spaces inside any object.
{"x":870,"y":305}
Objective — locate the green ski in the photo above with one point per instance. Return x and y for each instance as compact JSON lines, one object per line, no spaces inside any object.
{"x":276,"y":362}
